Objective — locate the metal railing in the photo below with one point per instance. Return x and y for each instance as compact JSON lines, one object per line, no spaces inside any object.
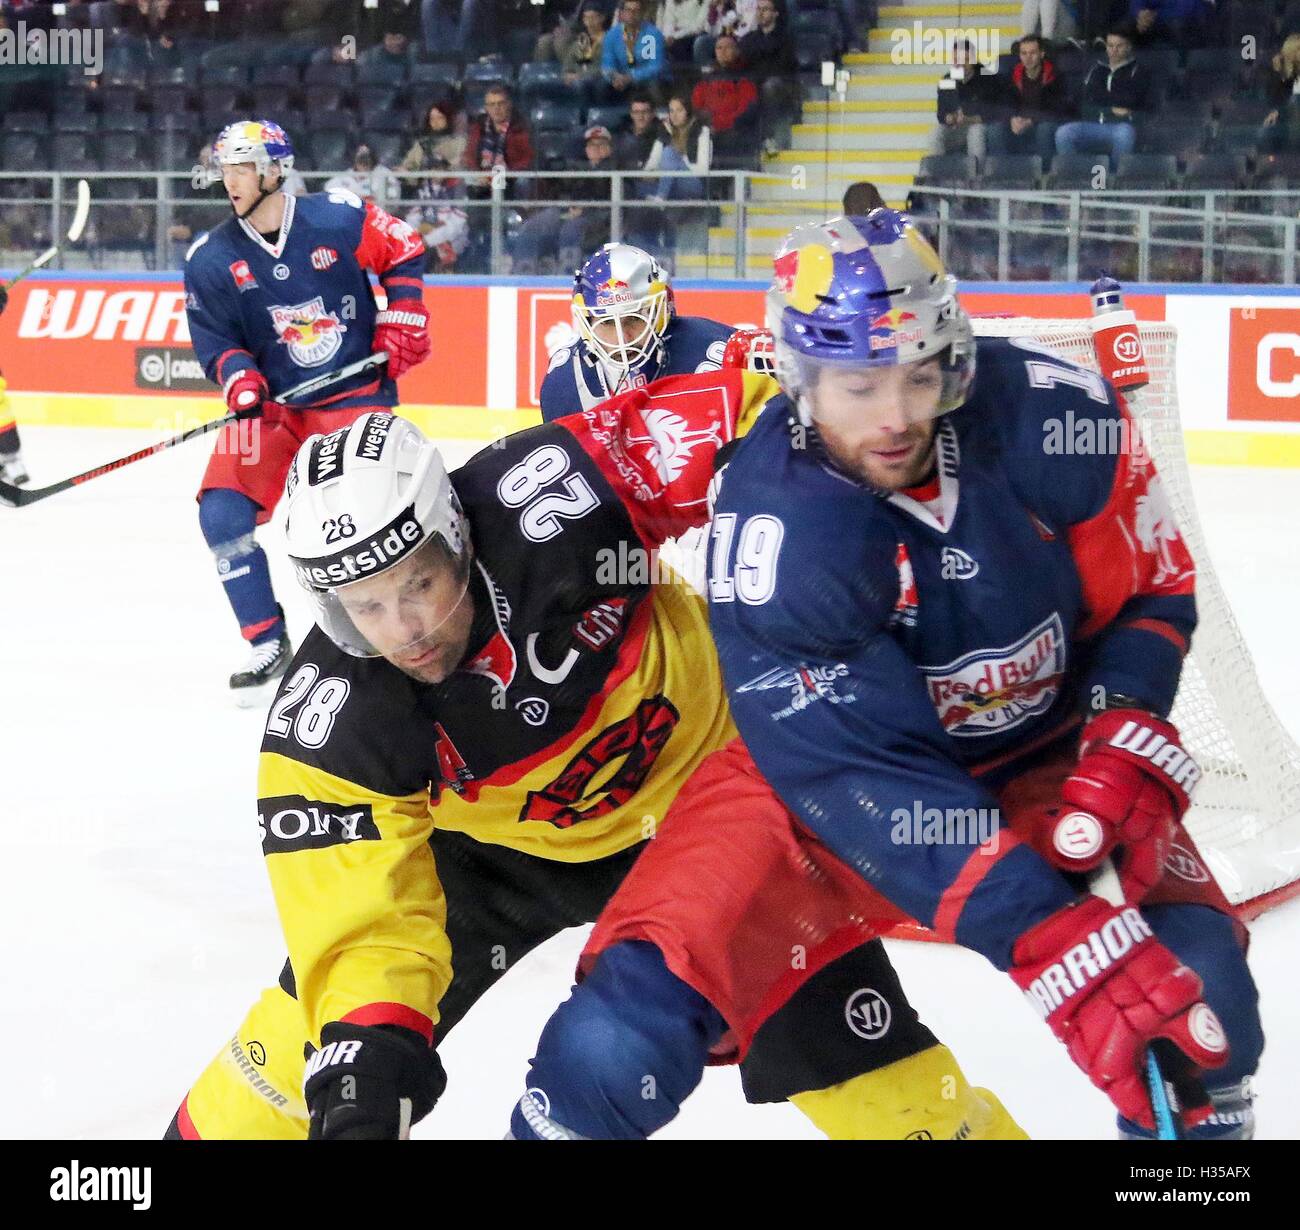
{"x":148,"y":219}
{"x":1210,"y":235}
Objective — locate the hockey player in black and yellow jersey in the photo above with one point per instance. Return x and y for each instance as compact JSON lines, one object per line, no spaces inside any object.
{"x":497,"y":706}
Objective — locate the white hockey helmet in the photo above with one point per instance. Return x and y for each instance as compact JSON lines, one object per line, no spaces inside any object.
{"x":628,"y":287}
{"x":261,"y":142}
{"x":360,"y":501}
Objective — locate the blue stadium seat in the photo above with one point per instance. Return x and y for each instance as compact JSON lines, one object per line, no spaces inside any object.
{"x":25,"y":151}
{"x":541,"y":81}
{"x":328,"y":73}
{"x":125,"y":151}
{"x":612,"y":115}
{"x":811,"y":49}
{"x":128,"y":75}
{"x":170,"y":99}
{"x":382,"y":72}
{"x":382,"y":119}
{"x":1146,"y":172}
{"x":434,"y":77}
{"x":489,"y":72}
{"x":213,"y":98}
{"x":232,"y":75}
{"x":389,"y":148}
{"x":74,"y":151}
{"x":104,"y":15}
{"x":287,"y":75}
{"x":1077,"y":172}
{"x":334,"y":121}
{"x":330,"y":151}
{"x":554,"y":150}
{"x":128,"y":121}
{"x":114,"y":99}
{"x":324,"y":97}
{"x":555,"y":117}
{"x":376,"y":97}
{"x":27,"y":121}
{"x":271,"y":98}
{"x":169,"y":74}
{"x":1216,"y":171}
{"x":76,"y":121}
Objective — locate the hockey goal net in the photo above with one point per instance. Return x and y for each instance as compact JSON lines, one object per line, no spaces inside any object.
{"x":1245,"y":815}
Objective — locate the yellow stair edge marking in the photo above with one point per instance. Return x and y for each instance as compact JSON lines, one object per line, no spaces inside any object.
{"x":904,"y":12}
{"x":883,"y":126}
{"x":867,"y":106}
{"x":801,"y":156}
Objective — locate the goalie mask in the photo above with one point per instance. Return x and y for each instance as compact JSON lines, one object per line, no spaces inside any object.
{"x":365,"y":502}
{"x":865,"y":292}
{"x":622,"y":307}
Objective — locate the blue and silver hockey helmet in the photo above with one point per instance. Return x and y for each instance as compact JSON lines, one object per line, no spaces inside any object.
{"x":260,"y":142}
{"x":622,"y":307}
{"x":865,"y":292}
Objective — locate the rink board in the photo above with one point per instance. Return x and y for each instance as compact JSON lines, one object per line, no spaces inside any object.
{"x":112,"y":350}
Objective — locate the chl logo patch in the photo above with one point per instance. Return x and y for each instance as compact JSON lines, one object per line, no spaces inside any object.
{"x":868,"y":1014}
{"x":322,"y":258}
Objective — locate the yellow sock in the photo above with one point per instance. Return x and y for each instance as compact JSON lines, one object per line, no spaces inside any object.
{"x":923,"y":1097}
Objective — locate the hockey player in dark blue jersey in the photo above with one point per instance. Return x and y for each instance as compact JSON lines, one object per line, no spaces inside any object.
{"x":629,"y":333}
{"x":951,"y":650}
{"x":275,"y":294}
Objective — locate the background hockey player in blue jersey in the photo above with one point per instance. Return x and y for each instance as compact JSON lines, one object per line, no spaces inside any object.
{"x":629,"y":333}
{"x":921,"y":610}
{"x":274,"y":295}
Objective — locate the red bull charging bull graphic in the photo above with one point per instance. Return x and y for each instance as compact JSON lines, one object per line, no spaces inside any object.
{"x":312,"y":334}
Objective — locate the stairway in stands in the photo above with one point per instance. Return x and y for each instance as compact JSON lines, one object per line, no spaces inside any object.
{"x":878,"y":132}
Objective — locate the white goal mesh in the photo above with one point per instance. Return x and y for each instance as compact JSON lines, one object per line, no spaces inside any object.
{"x":1246,"y":810}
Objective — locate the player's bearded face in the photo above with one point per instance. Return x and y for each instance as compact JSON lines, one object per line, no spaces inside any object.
{"x":242,"y":187}
{"x":417,"y":614}
{"x":877,"y":423}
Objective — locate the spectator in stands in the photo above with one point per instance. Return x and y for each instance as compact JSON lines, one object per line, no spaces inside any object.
{"x":497,"y":138}
{"x":369,"y":179}
{"x":1115,"y":97}
{"x":1184,"y":23}
{"x":393,"y":49}
{"x":438,"y":147}
{"x":635,"y":139}
{"x":736,"y":17}
{"x":633,"y":56}
{"x":580,"y":54}
{"x":154,"y":19}
{"x":1038,"y":103}
{"x":861,"y":198}
{"x":443,"y":225}
{"x":685,"y":144}
{"x":767,"y":53}
{"x":1053,"y":19}
{"x":1281,"y":133}
{"x":574,"y":229}
{"x":967,"y":100}
{"x":682,"y":22}
{"x":730,"y":101}
{"x":646,"y":227}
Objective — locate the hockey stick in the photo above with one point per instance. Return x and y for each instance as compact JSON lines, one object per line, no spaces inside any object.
{"x":1105,"y":883}
{"x":16,"y":497}
{"x":74,"y":233}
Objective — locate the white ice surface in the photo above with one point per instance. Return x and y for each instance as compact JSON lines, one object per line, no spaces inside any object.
{"x":136,"y":918}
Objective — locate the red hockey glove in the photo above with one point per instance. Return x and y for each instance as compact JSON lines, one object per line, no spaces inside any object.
{"x":1108,"y":989}
{"x":403,"y":331}
{"x":1129,"y":789}
{"x":246,"y":391}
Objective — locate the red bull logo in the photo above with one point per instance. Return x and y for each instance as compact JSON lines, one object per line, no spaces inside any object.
{"x":803,"y":275}
{"x":889,"y":330}
{"x":990,"y":691}
{"x":612,"y":290}
{"x":312,"y":334}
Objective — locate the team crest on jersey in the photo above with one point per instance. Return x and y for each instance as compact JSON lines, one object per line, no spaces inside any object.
{"x":243,"y":276}
{"x":1158,"y":535}
{"x":322,"y":258}
{"x":669,"y":441}
{"x":312,"y":334}
{"x":989,"y":691}
{"x":807,"y":685}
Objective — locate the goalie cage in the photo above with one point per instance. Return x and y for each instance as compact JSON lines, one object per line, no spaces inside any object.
{"x":1245,"y":813}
